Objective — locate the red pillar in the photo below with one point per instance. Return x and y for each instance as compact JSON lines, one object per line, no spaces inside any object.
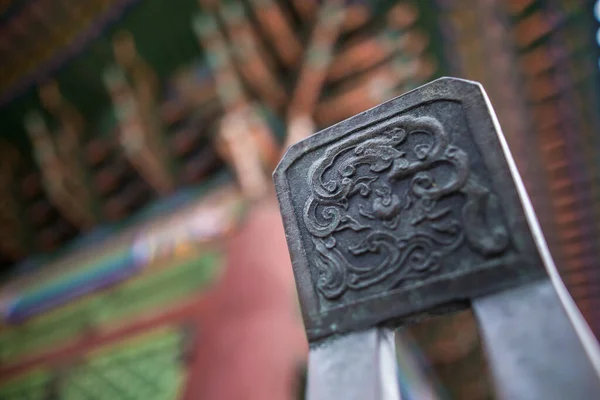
{"x":251,"y":343}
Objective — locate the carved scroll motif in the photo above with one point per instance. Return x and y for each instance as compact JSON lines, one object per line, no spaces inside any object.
{"x":388,"y":209}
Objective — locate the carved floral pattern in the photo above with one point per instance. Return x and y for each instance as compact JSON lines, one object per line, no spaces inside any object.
{"x":388,"y":208}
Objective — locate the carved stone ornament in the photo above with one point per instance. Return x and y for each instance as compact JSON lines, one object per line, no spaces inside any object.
{"x":407,"y":207}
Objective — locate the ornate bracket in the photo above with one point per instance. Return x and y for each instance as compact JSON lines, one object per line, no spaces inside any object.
{"x":403,"y":208}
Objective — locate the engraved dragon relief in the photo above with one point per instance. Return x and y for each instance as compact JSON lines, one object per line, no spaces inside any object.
{"x":387,"y":209}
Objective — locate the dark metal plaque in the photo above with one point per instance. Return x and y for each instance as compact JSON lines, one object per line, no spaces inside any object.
{"x":405,"y":207}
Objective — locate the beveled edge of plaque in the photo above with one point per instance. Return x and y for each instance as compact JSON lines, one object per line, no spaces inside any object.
{"x":485,"y":131}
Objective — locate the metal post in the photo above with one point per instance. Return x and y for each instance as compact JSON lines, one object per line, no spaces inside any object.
{"x":416,"y":207}
{"x":357,"y":366}
{"x":533,"y":350}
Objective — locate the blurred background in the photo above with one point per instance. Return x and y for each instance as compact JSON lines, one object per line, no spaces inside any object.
{"x":141,"y":249}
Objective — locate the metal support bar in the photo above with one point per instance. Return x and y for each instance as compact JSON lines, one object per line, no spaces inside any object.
{"x":356,"y":366}
{"x":530,"y":340}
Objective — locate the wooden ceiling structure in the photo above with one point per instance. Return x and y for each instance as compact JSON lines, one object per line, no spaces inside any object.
{"x":300,"y":70}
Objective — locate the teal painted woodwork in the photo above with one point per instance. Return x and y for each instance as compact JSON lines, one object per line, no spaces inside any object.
{"x":151,"y":293}
{"x":32,"y":386}
{"x":146,"y":369}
